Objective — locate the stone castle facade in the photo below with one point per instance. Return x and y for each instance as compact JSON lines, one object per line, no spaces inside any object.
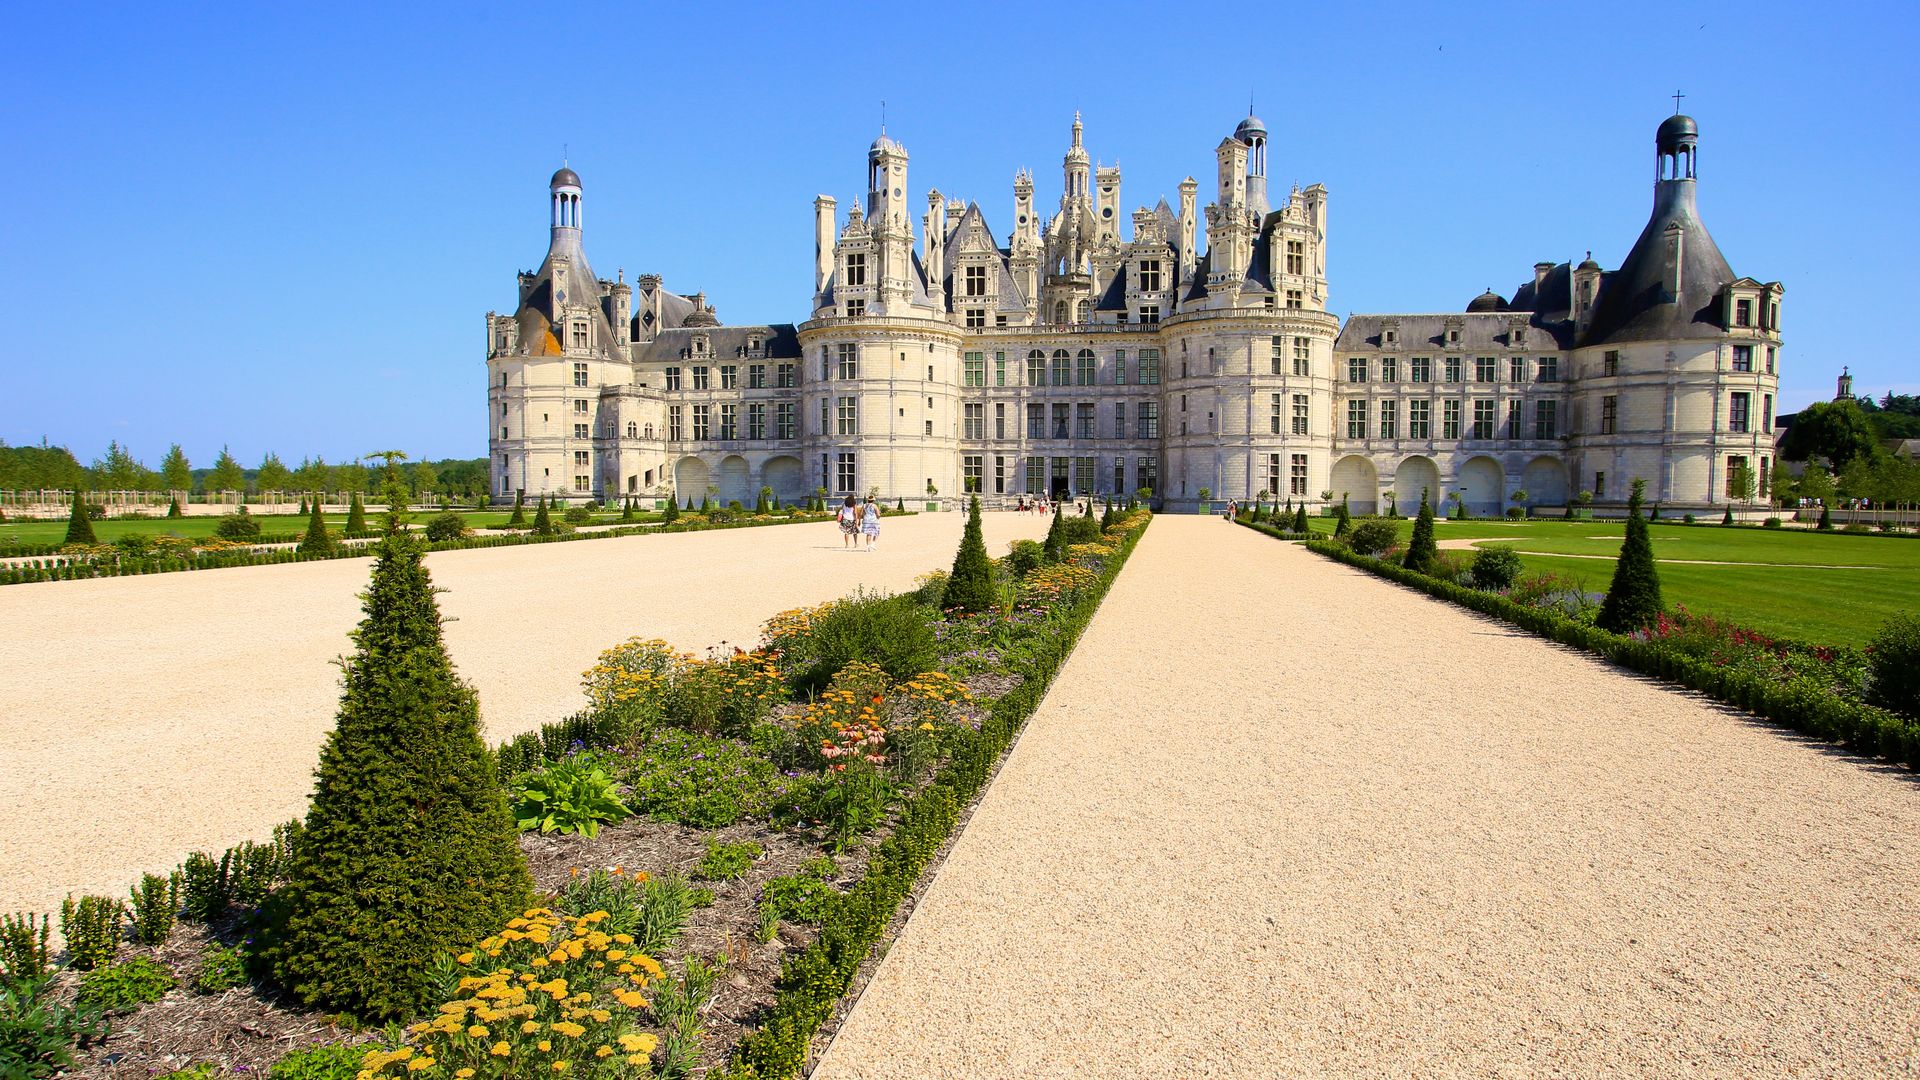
{"x":1181,"y":350}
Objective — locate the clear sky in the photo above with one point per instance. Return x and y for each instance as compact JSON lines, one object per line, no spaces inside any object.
{"x":279,"y":226}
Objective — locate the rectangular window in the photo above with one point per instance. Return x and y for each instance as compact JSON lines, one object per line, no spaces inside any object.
{"x":1279,"y":355}
{"x":1420,"y":369}
{"x":1546,"y":420}
{"x":1119,"y":475}
{"x":1300,"y":416}
{"x":729,"y":377}
{"x":580,"y":370}
{"x":1296,"y":257}
{"x":1766,"y":477}
{"x":976,"y":318}
{"x":784,"y":420}
{"x":1766,"y":415}
{"x":1119,"y":419}
{"x":582,"y":431}
{"x":582,"y":483}
{"x":999,"y":420}
{"x":1483,"y":414}
{"x":582,"y":459}
{"x":786,"y":376}
{"x":856,"y":268}
{"x":1609,"y":414}
{"x":1296,"y":299}
{"x":700,"y":421}
{"x":1389,"y":369}
{"x":1036,"y":421}
{"x":975,"y":417}
{"x":976,"y":279}
{"x":1036,"y":475}
{"x":676,"y":430}
{"x":1738,"y":410}
{"x":1083,"y":421}
{"x":1450,"y":418}
{"x":1062,"y":368}
{"x":1083,"y":475}
{"x":999,"y":475}
{"x":1302,"y":356}
{"x":974,"y":369}
{"x":1270,"y":474}
{"x":826,"y":414}
{"x":1120,"y":367}
{"x":1453,"y":369}
{"x":1772,"y":354}
{"x":847,"y":415}
{"x":580,"y":406}
{"x":1743,"y":358}
{"x":843,"y":473}
{"x":1610,"y":362}
{"x":1146,"y":473}
{"x":1485,"y":369}
{"x":757,"y":420}
{"x":1275,"y":418}
{"x":1419,"y":419}
{"x":1736,"y":464}
{"x":1356,"y":369}
{"x":1517,"y":369}
{"x":1548,"y":369}
{"x":1599,"y":485}
{"x":1149,"y":314}
{"x":1083,"y":368}
{"x":1148,"y":415}
{"x":1389,"y":419}
{"x":756,"y":376}
{"x":700,"y":381}
{"x":1356,"y":419}
{"x":673,"y":378}
{"x":1514,"y":423}
{"x":1297,"y":474}
{"x":972,"y":468}
{"x":1149,"y":367}
{"x":849,"y":365}
{"x":999,"y":369}
{"x":1060,"y":419}
{"x":1743,"y":313}
{"x":1149,"y":275}
{"x":1036,"y":368}
{"x":729,"y":413}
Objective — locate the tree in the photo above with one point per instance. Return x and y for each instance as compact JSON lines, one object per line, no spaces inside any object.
{"x":409,"y":851}
{"x":1342,"y":521}
{"x":970,"y":586}
{"x":1817,"y":483}
{"x":764,"y":505}
{"x":176,"y":474}
{"x":671,"y":514}
{"x":118,"y":471}
{"x":356,"y":516}
{"x":542,"y":522}
{"x":626,"y":510}
{"x":272,"y":475}
{"x":1741,"y":482}
{"x":1106,"y":516}
{"x":1781,"y":486}
{"x":1835,"y":430}
{"x":173,"y":508}
{"x":317,"y":541}
{"x":79,"y":529}
{"x":226,"y":475}
{"x":1633,"y":599}
{"x":1055,"y":544}
{"x":1421,"y":550}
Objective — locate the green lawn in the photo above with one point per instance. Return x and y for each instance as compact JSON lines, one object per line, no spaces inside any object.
{"x":1806,"y":593}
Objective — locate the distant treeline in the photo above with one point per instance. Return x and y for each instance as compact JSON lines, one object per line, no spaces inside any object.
{"x":30,"y":468}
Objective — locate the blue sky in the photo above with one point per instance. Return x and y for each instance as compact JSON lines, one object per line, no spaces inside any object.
{"x":278,"y":226}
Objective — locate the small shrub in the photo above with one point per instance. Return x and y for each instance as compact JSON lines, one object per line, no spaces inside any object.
{"x":91,"y":926}
{"x":317,"y":540}
{"x":1079,"y":530}
{"x":238,"y":525}
{"x":356,"y":516}
{"x":156,"y":904}
{"x":572,"y":796}
{"x":206,"y":886}
{"x":23,"y":947}
{"x":38,"y":1034}
{"x":577,"y":515}
{"x":1372,"y":537}
{"x":1421,"y":550}
{"x":221,"y":969}
{"x":319,"y":1063}
{"x":119,"y":988}
{"x":1023,"y":556}
{"x":970,"y":588}
{"x":698,"y":780}
{"x":1725,"y":519}
{"x":891,"y":631}
{"x":1454,"y":566}
{"x":1688,"y":519}
{"x":1633,"y":599}
{"x":451,"y":525}
{"x":725,"y":862}
{"x":1856,"y":528}
{"x":1495,"y":568}
{"x":1770,"y":523}
{"x":79,"y":525}
{"x":1893,"y":665}
{"x":1515,"y":513}
{"x":803,"y":897}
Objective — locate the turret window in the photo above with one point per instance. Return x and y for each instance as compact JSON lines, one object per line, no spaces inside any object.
{"x":848,"y":361}
{"x":1743,"y":358}
{"x":1610,"y":362}
{"x":579,"y":374}
{"x":1743,"y":313}
{"x":1738,"y":412}
{"x":847,"y":415}
{"x":1062,"y":368}
{"x":1296,"y":299}
{"x":580,"y":335}
{"x":1302,"y":356}
{"x":1083,"y":370}
{"x":1609,"y":414}
{"x":1296,"y":257}
{"x":856,"y":307}
{"x":976,"y":280}
{"x":856,"y":269}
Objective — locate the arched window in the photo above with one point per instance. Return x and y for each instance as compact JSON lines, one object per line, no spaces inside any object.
{"x":1083,"y":368}
{"x":1060,"y":312}
{"x":1081,"y":312}
{"x":1036,"y":368}
{"x":1062,"y":368}
{"x":633,"y":430}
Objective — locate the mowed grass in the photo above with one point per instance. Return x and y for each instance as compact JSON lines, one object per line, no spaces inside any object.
{"x":199,"y":528}
{"x":1829,"y":588}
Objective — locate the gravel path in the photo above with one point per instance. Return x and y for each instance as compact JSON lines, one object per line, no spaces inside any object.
{"x":145,"y":717}
{"x":1295,"y":821}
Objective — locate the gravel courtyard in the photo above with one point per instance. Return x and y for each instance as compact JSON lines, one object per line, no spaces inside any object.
{"x":145,"y":717}
{"x":1294,"y":821}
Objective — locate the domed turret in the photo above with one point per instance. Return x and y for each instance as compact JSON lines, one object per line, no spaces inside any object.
{"x":1249,"y":128}
{"x":564,"y":178}
{"x":1675,"y":130}
{"x":1487,"y":301}
{"x":883,"y":144}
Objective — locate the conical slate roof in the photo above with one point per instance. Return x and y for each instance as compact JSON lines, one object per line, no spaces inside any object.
{"x":1636,"y":302}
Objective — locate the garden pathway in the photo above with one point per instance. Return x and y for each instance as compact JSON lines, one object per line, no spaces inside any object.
{"x":1280,"y":818}
{"x":145,"y":717}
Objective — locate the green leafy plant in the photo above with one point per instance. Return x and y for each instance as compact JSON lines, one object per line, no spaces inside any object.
{"x":125,"y":986}
{"x":202,"y":1071}
{"x":1495,"y":568}
{"x":409,"y":849}
{"x":1372,"y":537}
{"x":238,"y":525}
{"x":79,"y":529}
{"x":23,"y":947}
{"x":651,"y":908}
{"x":221,"y":968}
{"x":1633,"y":599}
{"x":970,"y":587}
{"x":1893,"y":666}
{"x":206,"y":886}
{"x":155,"y":904}
{"x":91,"y":927}
{"x":356,"y":516}
{"x":1024,"y":556}
{"x":572,"y":796}
{"x":890,"y":631}
{"x":1422,"y":550}
{"x":676,"y":1004}
{"x":319,"y":1063}
{"x":38,"y":1035}
{"x":698,"y":780}
{"x":451,"y":525}
{"x":801,"y":897}
{"x":577,"y":515}
{"x":724,"y":861}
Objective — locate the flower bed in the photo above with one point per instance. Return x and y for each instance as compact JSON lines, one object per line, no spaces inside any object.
{"x":718,"y":841}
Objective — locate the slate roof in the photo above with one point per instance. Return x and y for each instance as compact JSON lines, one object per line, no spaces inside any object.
{"x":1427,"y":333}
{"x":780,"y":340}
{"x":1634,"y":304}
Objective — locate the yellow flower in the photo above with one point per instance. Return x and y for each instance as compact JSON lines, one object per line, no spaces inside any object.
{"x":603,"y":1051}
{"x":478,"y":1031}
{"x":501,"y":1049}
{"x":463,"y":1074}
{"x":544,"y":1046}
{"x":464,"y":958}
{"x":529,"y":1028}
{"x":562,"y":1066}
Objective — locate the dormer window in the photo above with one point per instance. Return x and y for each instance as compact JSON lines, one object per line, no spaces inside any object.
{"x":1149,"y":275}
{"x":1453,"y":337}
{"x":976,"y":280}
{"x":1743,"y":312}
{"x":579,"y":333}
{"x":1391,"y":337}
{"x":856,"y":270}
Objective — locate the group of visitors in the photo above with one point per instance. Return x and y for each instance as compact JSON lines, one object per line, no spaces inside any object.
{"x":857,"y":519}
{"x":1039,"y":504}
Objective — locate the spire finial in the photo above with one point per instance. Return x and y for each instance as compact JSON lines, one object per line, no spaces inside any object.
{"x":1677,"y":95}
{"x":883,"y":116}
{"x":563,"y":156}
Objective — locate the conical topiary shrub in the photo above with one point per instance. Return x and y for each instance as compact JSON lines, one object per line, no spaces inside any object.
{"x":317,"y":541}
{"x":79,"y":529}
{"x":1727,"y":518}
{"x":970,"y":587}
{"x":1633,"y":600}
{"x":1342,"y":521}
{"x":409,"y":851}
{"x":519,"y":508}
{"x":303,"y":506}
{"x":356,"y":516}
{"x":1826,"y":519}
{"x":1421,"y":550}
{"x":542,"y":521}
{"x":672,"y":513}
{"x":173,"y":508}
{"x":1300,"y":518}
{"x":1055,"y":545}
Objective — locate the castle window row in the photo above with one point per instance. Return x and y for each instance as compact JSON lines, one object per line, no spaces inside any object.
{"x":1486,"y":369}
{"x":1484,"y":425}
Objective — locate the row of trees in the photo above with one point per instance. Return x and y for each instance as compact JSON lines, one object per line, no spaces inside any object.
{"x":34,"y":468}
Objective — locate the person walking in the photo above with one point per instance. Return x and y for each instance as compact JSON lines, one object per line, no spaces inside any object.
{"x":870,"y":523}
{"x":849,"y":518}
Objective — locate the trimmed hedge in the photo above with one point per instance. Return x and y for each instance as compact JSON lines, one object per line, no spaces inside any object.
{"x":1863,"y":728}
{"x":812,"y":983}
{"x":1277,"y":534}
